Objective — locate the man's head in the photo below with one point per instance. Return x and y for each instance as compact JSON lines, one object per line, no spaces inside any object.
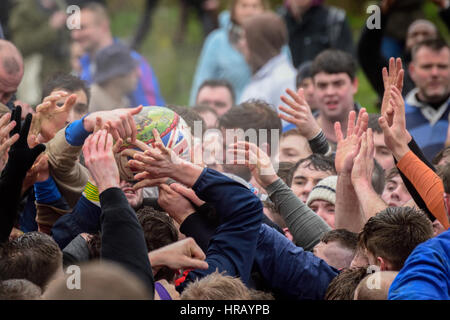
{"x":209,"y":115}
{"x":72,"y":85}
{"x":11,"y":70}
{"x":304,"y":80}
{"x":293,"y":147}
{"x":444,"y":174}
{"x":34,"y":256}
{"x":308,"y":172}
{"x":134,"y":197}
{"x":159,"y":231}
{"x":216,"y":94}
{"x":335,"y":84}
{"x":217,"y":286}
{"x":375,"y":286}
{"x":391,"y":236}
{"x":430,"y":70}
{"x":343,"y":286}
{"x":419,"y":31}
{"x":258,"y":123}
{"x":271,"y":212}
{"x":337,"y":248}
{"x":383,"y":154}
{"x":19,"y":289}
{"x":100,"y":281}
{"x":395,"y":193}
{"x":322,"y":199}
{"x":95,"y":28}
{"x":115,"y":66}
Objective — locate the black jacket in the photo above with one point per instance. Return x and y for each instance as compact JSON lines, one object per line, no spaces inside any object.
{"x":320,"y":28}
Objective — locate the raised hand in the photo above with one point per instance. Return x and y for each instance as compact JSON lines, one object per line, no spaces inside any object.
{"x":5,"y":140}
{"x":50,"y":118}
{"x":396,"y":136}
{"x":120,"y":122}
{"x":183,"y":254}
{"x":392,"y":78}
{"x":99,"y":159}
{"x":347,"y":148}
{"x":300,"y":114}
{"x":38,"y":172}
{"x":20,"y":154}
{"x":256,"y":160}
{"x":363,"y":164}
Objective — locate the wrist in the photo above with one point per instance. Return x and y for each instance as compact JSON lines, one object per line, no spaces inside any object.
{"x":268,"y":180}
{"x":313,"y":133}
{"x":400,"y":151}
{"x":186,"y":173}
{"x":105,"y":186}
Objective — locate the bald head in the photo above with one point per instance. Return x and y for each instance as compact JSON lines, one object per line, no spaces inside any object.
{"x":11,"y":70}
{"x":419,"y":31}
{"x":375,"y":286}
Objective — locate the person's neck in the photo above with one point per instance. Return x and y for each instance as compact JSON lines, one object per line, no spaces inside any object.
{"x":436,"y":103}
{"x":113,"y":90}
{"x":298,"y":12}
{"x":327,"y":126}
{"x":103,"y":43}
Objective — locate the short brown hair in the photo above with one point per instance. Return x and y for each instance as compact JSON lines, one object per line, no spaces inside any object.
{"x":253,"y":114}
{"x":346,"y":238}
{"x":394,"y":233}
{"x":100,"y":280}
{"x":217,"y":286}
{"x":364,"y":292}
{"x":444,"y":173}
{"x":284,"y":172}
{"x":343,"y":286}
{"x":19,"y":289}
{"x":435,"y":44}
{"x":34,"y":256}
{"x":444,"y":153}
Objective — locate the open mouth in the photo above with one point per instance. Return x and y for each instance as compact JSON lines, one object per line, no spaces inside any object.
{"x":128,"y":191}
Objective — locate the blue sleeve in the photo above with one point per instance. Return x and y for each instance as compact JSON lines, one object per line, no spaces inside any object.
{"x":232,"y":247}
{"x":47,"y":192}
{"x":85,"y":217}
{"x":76,"y":134}
{"x":206,"y":66}
{"x":289,"y":270}
{"x":425,"y":274}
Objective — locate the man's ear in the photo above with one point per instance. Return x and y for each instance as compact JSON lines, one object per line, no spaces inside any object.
{"x":385,"y":265}
{"x":355,"y":85}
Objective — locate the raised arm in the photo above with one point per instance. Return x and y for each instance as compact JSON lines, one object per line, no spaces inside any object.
{"x":233,"y":246}
{"x":20,"y":160}
{"x":347,"y":209}
{"x":122,"y":236}
{"x":298,"y":112}
{"x":304,"y":224}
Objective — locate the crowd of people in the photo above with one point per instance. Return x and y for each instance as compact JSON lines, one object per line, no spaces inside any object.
{"x":271,"y":183}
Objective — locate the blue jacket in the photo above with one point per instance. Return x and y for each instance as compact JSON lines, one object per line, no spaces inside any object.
{"x":232,"y":247}
{"x":147,"y":92}
{"x":426,"y":273}
{"x":426,"y":125}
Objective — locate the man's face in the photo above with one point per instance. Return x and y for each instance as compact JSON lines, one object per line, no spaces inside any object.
{"x":308,"y":88}
{"x":395,"y":193}
{"x":418,"y":33}
{"x":305,"y":179}
{"x":210,"y":119}
{"x":135,"y":198}
{"x":325,"y":210}
{"x":382,"y":153}
{"x":218,"y":98}
{"x":90,"y":33}
{"x":334,"y":254}
{"x":247,"y":8}
{"x":9,"y":83}
{"x":293,"y":148}
{"x":430,"y":71}
{"x":80,"y":104}
{"x":334,"y":95}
